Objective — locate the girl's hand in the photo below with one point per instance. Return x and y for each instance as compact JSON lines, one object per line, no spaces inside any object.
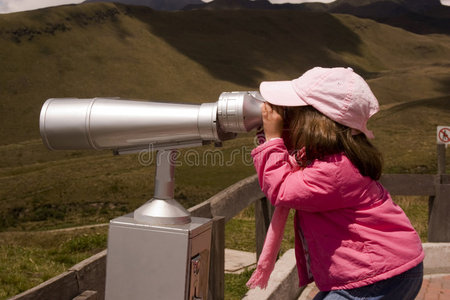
{"x":272,"y":116}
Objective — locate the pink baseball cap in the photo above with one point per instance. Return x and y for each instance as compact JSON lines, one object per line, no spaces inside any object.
{"x":338,"y":93}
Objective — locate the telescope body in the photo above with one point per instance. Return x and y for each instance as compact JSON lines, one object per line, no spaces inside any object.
{"x":126,"y":125}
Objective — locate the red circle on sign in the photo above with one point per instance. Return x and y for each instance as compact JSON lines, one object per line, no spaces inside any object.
{"x":444,"y":135}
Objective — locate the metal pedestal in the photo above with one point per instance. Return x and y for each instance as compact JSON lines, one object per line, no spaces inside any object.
{"x":158,"y":261}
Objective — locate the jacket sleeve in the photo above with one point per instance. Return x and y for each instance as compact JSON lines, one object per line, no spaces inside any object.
{"x":314,"y":188}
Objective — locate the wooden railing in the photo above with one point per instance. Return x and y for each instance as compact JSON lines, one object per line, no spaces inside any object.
{"x":87,"y":280}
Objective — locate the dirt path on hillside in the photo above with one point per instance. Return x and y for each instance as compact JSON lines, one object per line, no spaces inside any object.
{"x":57,"y":230}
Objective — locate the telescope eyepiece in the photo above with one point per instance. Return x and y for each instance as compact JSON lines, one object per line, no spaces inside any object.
{"x":239,"y":111}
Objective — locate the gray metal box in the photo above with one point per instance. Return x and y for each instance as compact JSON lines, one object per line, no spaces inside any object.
{"x":158,"y":262}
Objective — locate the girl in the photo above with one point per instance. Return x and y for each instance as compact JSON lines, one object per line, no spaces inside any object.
{"x":351,"y":239}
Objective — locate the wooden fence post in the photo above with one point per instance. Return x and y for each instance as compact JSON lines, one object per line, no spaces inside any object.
{"x":91,"y":275}
{"x":216,"y":283}
{"x":441,"y":159}
{"x":263,"y":215}
{"x":439,"y":223}
{"x":439,"y":205}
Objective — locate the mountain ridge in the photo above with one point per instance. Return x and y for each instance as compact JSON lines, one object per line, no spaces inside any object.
{"x":167,"y":5}
{"x":423,"y":17}
{"x":418,"y":16}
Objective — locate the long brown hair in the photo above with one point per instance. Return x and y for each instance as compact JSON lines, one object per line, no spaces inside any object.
{"x":321,"y":136}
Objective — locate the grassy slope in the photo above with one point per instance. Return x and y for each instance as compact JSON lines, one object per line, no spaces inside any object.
{"x":27,"y":259}
{"x":111,"y":50}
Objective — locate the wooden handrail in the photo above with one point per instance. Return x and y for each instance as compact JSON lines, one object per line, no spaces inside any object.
{"x":230,"y":201}
{"x":225,"y":205}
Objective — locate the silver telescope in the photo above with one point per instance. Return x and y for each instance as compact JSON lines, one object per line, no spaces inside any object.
{"x":128,"y":126}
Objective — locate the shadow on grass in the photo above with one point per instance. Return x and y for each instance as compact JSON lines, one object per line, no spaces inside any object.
{"x":232,"y":44}
{"x":441,"y":104}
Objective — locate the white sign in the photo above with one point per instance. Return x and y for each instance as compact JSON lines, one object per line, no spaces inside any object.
{"x":443,"y":135}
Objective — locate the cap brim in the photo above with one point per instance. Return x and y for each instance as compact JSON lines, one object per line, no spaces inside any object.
{"x":280,"y":93}
{"x":369,"y":134}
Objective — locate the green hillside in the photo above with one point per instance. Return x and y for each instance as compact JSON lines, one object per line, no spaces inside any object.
{"x":136,"y":53}
{"x":113,"y":50}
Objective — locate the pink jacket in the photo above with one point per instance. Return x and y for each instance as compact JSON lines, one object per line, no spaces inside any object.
{"x":349,"y":233}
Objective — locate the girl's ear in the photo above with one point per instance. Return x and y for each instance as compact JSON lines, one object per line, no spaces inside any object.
{"x":280,"y":110}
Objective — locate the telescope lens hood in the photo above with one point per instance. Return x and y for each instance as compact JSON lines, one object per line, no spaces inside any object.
{"x":239,"y":111}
